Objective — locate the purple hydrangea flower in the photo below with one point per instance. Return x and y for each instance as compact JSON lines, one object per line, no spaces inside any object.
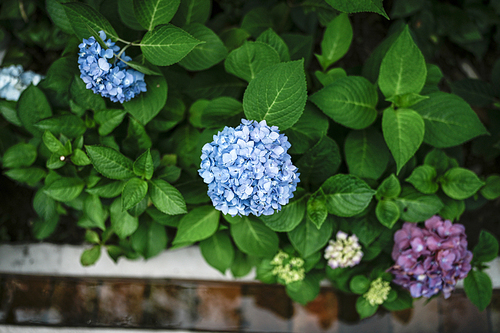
{"x":430,"y":259}
{"x":248,"y":170}
{"x":13,"y":81}
{"x":114,"y":80}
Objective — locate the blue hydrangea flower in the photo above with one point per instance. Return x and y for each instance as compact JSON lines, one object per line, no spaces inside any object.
{"x":248,"y":170}
{"x":13,"y":81}
{"x":114,"y":80}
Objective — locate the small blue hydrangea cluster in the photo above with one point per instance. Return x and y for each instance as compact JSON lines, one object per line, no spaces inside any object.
{"x":13,"y":81}
{"x":248,"y":170}
{"x":115,"y":80}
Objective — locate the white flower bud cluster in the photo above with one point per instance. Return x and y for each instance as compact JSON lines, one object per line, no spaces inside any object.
{"x":288,"y":269}
{"x":378,"y":292}
{"x":344,"y":252}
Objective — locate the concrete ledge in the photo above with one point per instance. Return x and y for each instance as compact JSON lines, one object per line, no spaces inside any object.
{"x":184,"y":263}
{"x":50,"y":259}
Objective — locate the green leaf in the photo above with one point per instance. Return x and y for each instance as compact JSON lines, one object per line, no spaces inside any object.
{"x":253,"y":237}
{"x":319,"y":162}
{"x":366,"y":153}
{"x":80,"y":158}
{"x":474,"y":91}
{"x":438,"y":160}
{"x":336,"y":41}
{"x":403,"y":68}
{"x":198,"y":224}
{"x":403,"y":132}
{"x":109,"y":120}
{"x":346,"y":195}
{"x":128,"y":17}
{"x":82,"y":17}
{"x":359,"y":6}
{"x":234,"y":38}
{"x":204,"y":55}
{"x":9,"y":112}
{"x":331,"y":76}
{"x":289,"y":216}
{"x":90,"y":256}
{"x":150,"y":13}
{"x":307,"y":131}
{"x":149,"y":239}
{"x":55,"y":161}
{"x":449,"y":120}
{"x":167,"y":44}
{"x":424,"y":179}
{"x":491,"y":189}
{"x":67,"y":124}
{"x":191,"y":11}
{"x":123,"y":223}
{"x":65,"y":189}
{"x":213,"y":83}
{"x":316,"y":209}
{"x":364,"y":308}
{"x":256,"y":21}
{"x":452,"y":209}
{"x":166,"y":198}
{"x":45,"y":206}
{"x":147,"y":105}
{"x":221,"y":110}
{"x":387,"y":213}
{"x":92,"y":237}
{"x":107,"y":189}
{"x":276,"y":42}
{"x":404,"y":8}
{"x":367,"y":229}
{"x":58,"y":15}
{"x":277,"y":94}
{"x":349,"y":101}
{"x":84,"y":97}
{"x":359,"y":284}
{"x":460,"y":183}
{"x":479,"y":289}
{"x":249,"y":59}
{"x":164,"y":219}
{"x":92,"y":206}
{"x":218,"y":251}
{"x":416,"y":207}
{"x":32,"y":107}
{"x":242,"y":264}
{"x":403,"y":301}
{"x":133,"y":192}
{"x":306,"y":290}
{"x":389,"y":188}
{"x":147,"y":69}
{"x":110,"y":163}
{"x":31,"y":175}
{"x":139,"y":208}
{"x":19,"y":155}
{"x":44,"y":228}
{"x":407,"y":100}
{"x":300,"y":46}
{"x":137,"y":139}
{"x":143,"y":166}
{"x":307,"y":238}
{"x":486,"y":249}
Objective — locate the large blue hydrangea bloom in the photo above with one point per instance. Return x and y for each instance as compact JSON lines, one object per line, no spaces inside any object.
{"x":248,"y":170}
{"x":115,"y":80}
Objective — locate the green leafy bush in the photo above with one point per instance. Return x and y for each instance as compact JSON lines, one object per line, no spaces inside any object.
{"x":371,"y":142}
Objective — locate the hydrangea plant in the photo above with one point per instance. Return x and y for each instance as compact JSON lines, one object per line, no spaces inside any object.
{"x":221,"y":127}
